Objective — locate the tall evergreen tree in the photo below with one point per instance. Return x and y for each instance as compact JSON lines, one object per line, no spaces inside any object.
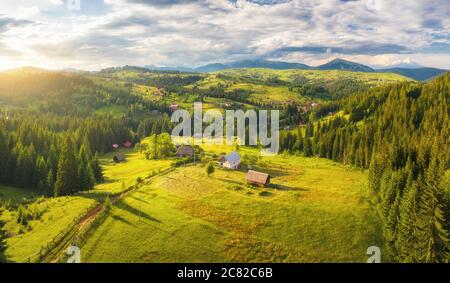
{"x":66,"y":179}
{"x":2,"y":242}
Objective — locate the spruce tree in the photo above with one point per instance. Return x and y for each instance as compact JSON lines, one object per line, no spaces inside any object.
{"x":97,"y":169}
{"x":66,"y":179}
{"x":2,"y":242}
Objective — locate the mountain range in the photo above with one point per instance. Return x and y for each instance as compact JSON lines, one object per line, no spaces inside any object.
{"x":416,"y":72}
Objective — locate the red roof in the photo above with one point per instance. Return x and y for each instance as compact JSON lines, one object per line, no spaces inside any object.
{"x":128,"y":144}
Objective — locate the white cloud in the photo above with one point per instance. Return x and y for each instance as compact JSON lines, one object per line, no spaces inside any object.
{"x":118,"y":32}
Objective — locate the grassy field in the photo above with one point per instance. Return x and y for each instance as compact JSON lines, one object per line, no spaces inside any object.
{"x":124,"y":174}
{"x":55,"y":216}
{"x":257,"y":81}
{"x":314,"y":211}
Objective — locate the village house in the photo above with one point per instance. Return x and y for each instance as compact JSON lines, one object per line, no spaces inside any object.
{"x":127,"y":144}
{"x":119,"y":157}
{"x":257,"y":178}
{"x":173,"y":106}
{"x":185,"y":151}
{"x":230,"y":161}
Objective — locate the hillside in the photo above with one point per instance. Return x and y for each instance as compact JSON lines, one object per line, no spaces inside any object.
{"x":361,"y":167}
{"x":413,"y":72}
{"x":420,"y":74}
{"x":249,"y":86}
{"x":340,"y":64}
{"x":185,"y":216}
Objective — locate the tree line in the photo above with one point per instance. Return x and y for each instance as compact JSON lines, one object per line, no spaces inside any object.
{"x":401,"y":134}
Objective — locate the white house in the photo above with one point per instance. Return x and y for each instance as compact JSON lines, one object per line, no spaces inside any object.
{"x":230,"y":161}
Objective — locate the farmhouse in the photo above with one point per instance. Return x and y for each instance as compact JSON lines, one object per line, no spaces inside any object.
{"x":127,"y":144}
{"x":119,"y":157}
{"x":230,"y":161}
{"x":257,"y":178}
{"x":185,"y":151}
{"x":173,"y":106}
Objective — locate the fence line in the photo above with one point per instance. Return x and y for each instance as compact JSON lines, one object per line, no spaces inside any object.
{"x":44,"y":251}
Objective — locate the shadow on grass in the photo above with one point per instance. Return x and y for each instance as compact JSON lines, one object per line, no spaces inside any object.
{"x":285,"y":188}
{"x":138,"y":199}
{"x":135,"y":211}
{"x":121,"y":219}
{"x":273,"y":171}
{"x":230,"y":181}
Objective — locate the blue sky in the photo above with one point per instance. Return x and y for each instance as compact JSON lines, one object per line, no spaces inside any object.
{"x":102,"y":33}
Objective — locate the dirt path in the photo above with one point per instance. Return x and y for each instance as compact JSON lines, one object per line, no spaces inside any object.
{"x":54,"y":254}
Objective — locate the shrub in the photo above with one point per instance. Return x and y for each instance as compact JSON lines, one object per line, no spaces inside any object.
{"x":107,"y":204}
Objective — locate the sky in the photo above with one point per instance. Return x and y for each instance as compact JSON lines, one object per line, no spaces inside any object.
{"x":95,"y":34}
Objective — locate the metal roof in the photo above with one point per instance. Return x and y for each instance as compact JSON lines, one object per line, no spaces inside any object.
{"x":233,"y":157}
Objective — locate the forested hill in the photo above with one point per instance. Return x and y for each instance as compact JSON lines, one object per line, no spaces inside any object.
{"x":401,"y":133}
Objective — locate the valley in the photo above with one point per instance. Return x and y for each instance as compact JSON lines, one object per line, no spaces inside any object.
{"x":85,"y":159}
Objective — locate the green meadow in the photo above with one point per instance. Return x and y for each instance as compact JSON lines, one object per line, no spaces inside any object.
{"x":315,"y":210}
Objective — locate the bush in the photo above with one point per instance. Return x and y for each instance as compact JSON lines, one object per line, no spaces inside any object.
{"x":22,"y":216}
{"x":210,"y":169}
{"x":107,"y":204}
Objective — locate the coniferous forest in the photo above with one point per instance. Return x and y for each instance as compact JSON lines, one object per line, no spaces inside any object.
{"x":401,"y":134}
{"x":55,"y":135}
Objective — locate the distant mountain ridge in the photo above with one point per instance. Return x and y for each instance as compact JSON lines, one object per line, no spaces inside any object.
{"x":417,"y":73}
{"x":277,"y":65}
{"x":420,"y":74}
{"x":340,"y":64}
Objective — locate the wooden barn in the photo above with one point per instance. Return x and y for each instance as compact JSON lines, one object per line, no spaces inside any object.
{"x":119,"y":157}
{"x":258,"y":178}
{"x":127,"y":144}
{"x":185,"y":151}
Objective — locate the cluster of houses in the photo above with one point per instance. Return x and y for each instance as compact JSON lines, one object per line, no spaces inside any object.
{"x":309,"y":106}
{"x":119,"y":157}
{"x":231,"y":161}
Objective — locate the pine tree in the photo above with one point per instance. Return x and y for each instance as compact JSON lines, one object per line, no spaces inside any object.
{"x":40,"y":175}
{"x":433,"y":235}
{"x":4,"y":155}
{"x":210,"y":169}
{"x":407,"y":238}
{"x":375,"y":174}
{"x":97,"y":169}
{"x":107,"y":204}
{"x":307,"y":147}
{"x":2,"y":242}
{"x":50,"y":184}
{"x":66,"y":180}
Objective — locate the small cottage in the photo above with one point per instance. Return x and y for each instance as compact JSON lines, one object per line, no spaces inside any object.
{"x":127,"y":144}
{"x":185,"y":151}
{"x":230,"y":161}
{"x":173,"y":106}
{"x":119,"y":157}
{"x":257,"y":178}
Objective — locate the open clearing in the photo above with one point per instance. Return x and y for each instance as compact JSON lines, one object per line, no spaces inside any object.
{"x":315,"y":211}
